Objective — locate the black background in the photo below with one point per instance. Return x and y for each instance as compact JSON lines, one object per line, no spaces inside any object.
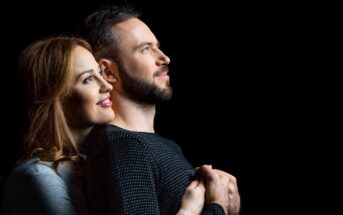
{"x":243,"y":100}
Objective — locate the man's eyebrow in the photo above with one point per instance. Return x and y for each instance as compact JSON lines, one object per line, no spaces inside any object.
{"x":148,"y":43}
{"x":144,"y":44}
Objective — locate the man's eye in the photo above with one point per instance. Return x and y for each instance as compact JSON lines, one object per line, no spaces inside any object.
{"x":145,"y":49}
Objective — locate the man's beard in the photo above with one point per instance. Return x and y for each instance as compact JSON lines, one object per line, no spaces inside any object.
{"x":143,"y":91}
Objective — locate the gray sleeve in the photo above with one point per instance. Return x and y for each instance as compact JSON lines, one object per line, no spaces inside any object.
{"x":36,"y":190}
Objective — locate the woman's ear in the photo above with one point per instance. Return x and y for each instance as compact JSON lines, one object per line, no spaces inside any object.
{"x":110,"y":70}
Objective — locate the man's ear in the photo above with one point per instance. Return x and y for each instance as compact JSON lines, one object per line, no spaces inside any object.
{"x":110,"y":70}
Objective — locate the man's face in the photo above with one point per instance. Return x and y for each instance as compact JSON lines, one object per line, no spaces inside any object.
{"x":143,"y":68}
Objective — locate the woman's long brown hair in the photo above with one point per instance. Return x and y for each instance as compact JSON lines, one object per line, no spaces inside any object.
{"x":46,"y":67}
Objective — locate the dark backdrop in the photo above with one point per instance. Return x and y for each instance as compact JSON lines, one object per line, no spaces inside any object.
{"x":239,"y":100}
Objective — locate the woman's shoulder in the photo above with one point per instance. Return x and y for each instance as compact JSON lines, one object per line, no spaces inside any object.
{"x":33,"y":169}
{"x":37,"y":176}
{"x":34,"y":186}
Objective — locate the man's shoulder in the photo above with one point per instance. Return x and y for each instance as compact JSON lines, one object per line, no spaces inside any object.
{"x":113,"y":136}
{"x":119,"y":133}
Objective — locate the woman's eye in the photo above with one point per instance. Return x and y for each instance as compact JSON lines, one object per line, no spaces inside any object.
{"x":88,"y":79}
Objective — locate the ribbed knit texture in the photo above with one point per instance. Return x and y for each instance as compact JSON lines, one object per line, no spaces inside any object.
{"x":213,"y":209}
{"x":132,"y":173}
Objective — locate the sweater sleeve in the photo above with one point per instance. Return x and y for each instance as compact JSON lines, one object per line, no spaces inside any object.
{"x":213,"y":209}
{"x":122,"y":179}
{"x":36,"y":189}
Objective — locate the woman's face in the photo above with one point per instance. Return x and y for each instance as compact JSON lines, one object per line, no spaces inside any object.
{"x":89,"y":102}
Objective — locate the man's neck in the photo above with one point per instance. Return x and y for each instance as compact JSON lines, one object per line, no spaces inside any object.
{"x":133,"y":116}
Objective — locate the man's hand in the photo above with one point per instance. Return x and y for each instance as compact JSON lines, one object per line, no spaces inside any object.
{"x":220,"y":188}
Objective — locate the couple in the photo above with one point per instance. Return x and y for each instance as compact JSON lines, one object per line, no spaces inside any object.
{"x":129,"y":168}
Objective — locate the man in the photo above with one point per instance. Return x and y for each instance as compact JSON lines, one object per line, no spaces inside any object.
{"x":131,"y":169}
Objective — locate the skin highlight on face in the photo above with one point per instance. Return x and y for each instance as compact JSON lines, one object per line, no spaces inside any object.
{"x":88,"y":103}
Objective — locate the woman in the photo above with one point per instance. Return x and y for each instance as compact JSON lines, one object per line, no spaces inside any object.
{"x":67,"y":96}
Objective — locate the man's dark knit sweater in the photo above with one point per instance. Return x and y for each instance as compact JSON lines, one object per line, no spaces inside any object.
{"x":136,"y":173}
